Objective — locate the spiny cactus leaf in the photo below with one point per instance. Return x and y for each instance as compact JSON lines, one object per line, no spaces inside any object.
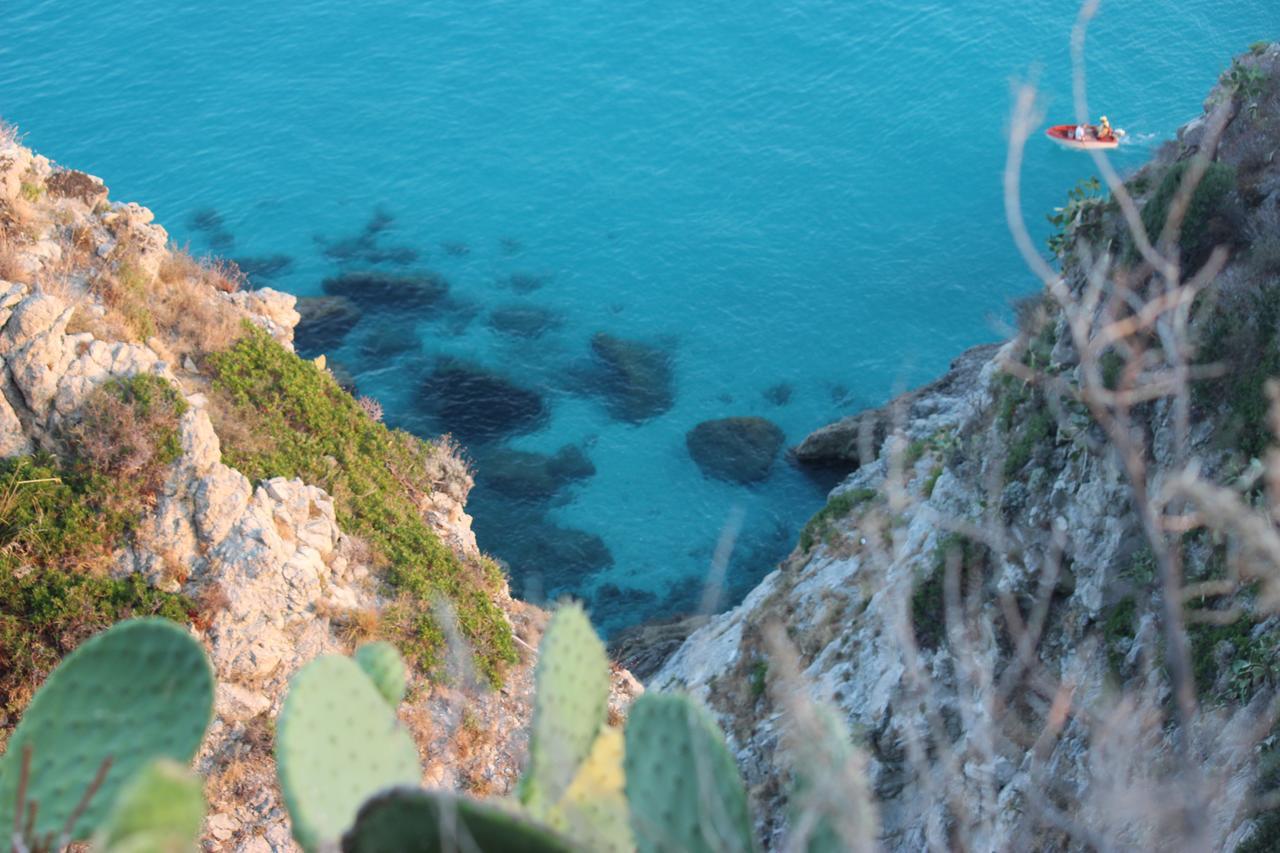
{"x":682,"y":783}
{"x":141,"y":690}
{"x":569,"y":707}
{"x":337,"y":744}
{"x":158,"y":811}
{"x":831,"y":804}
{"x":412,"y":820}
{"x":385,"y":668}
{"x":593,"y":811}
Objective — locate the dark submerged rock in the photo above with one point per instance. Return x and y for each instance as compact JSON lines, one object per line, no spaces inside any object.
{"x":388,"y":340}
{"x":778,"y":395}
{"x":478,"y":405}
{"x":455,"y":248}
{"x":522,"y":321}
{"x":637,"y":379}
{"x":325,"y":322}
{"x":526,"y":282}
{"x":364,"y":246}
{"x":375,"y":290}
{"x":737,"y":450}
{"x":266,"y":267}
{"x":524,"y":475}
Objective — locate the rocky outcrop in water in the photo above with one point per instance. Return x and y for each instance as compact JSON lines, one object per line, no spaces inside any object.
{"x":739,"y":450}
{"x":636,"y":379}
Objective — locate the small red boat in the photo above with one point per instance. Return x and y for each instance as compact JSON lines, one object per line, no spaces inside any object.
{"x":1065,"y":135}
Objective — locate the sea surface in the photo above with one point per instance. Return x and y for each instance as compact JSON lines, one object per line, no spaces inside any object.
{"x":795,"y":206}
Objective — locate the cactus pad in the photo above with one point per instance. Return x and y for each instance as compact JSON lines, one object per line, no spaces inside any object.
{"x":593,"y":811}
{"x":159,"y":810}
{"x":682,"y":783}
{"x":412,"y":820}
{"x":143,"y":689}
{"x":385,"y":668}
{"x":569,"y":707}
{"x":337,"y":744}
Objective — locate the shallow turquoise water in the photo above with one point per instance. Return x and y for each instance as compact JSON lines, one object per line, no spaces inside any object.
{"x":802,"y":192}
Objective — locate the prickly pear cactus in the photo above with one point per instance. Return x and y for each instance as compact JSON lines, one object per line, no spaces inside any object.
{"x":830,"y":801}
{"x":159,"y":810}
{"x":593,"y":811}
{"x":412,"y":820}
{"x":385,"y":668}
{"x":141,"y":690}
{"x":569,"y":707}
{"x":337,"y":744}
{"x":682,"y":783}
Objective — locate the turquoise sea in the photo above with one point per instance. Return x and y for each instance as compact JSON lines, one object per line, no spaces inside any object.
{"x":800,"y":198}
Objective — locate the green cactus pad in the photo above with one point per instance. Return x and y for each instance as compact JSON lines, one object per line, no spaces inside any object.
{"x":569,"y":707}
{"x":412,"y":820}
{"x":337,"y":744}
{"x":141,"y":690}
{"x":682,"y":783}
{"x":160,"y":810}
{"x":829,"y":795}
{"x":385,"y":668}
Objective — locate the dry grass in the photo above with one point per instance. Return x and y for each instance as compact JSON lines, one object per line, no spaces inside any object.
{"x":351,"y":625}
{"x":10,"y":268}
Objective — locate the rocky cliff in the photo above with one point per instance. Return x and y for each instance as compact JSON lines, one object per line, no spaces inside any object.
{"x":137,"y":391}
{"x":981,"y":600}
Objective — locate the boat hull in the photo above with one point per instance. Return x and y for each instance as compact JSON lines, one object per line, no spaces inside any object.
{"x":1064,"y":135}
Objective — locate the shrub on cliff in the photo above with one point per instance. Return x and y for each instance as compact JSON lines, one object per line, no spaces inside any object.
{"x":1203,"y":224}
{"x":281,"y":416}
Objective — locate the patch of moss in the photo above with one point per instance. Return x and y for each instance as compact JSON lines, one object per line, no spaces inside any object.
{"x":1266,"y":835}
{"x":1035,"y":428}
{"x":759,"y":676}
{"x":932,"y":480}
{"x":840,"y":506}
{"x":928,"y":598}
{"x":1120,"y":625}
{"x":297,"y":422}
{"x":1253,"y":661}
{"x":1112,"y":364}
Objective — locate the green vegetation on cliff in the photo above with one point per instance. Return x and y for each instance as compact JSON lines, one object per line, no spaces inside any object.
{"x":61,"y":524}
{"x":287,"y":417}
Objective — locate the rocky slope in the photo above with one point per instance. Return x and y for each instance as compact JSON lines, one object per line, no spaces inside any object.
{"x":93,"y":296}
{"x":1015,"y":484}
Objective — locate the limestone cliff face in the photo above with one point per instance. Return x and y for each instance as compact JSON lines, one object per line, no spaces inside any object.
{"x":975,"y":451}
{"x":268,"y":559}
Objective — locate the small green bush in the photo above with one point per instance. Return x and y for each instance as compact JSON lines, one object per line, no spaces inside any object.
{"x":286,"y":417}
{"x":1208,"y":202}
{"x":838,"y":507}
{"x":59,"y":528}
{"x":1245,"y":341}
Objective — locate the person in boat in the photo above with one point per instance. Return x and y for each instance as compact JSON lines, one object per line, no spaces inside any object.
{"x":1104,"y":129}
{"x":1080,"y":133}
